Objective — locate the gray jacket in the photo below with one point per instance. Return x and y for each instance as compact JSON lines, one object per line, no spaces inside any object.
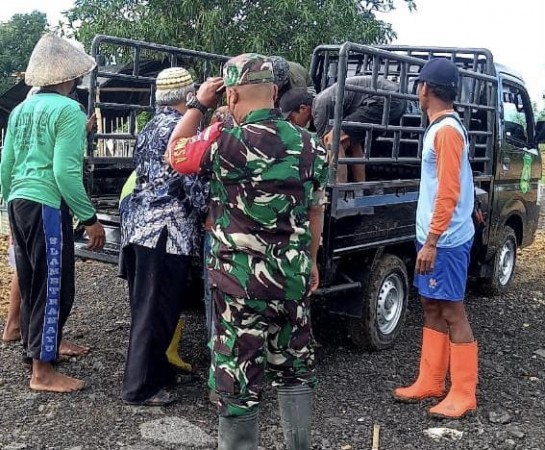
{"x":324,"y":103}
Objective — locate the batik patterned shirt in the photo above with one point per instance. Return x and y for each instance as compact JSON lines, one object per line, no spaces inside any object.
{"x":162,"y":198}
{"x":265,"y":174}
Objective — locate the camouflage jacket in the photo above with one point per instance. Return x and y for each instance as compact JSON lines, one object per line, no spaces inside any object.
{"x":265,"y":173}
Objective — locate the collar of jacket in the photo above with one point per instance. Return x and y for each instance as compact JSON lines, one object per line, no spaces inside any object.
{"x":260,"y":115}
{"x":167,"y":110}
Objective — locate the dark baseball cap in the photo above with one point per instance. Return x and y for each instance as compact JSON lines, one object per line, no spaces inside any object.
{"x":440,"y":71}
{"x":293,"y":99}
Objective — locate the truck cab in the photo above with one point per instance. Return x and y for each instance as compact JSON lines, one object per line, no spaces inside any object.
{"x":517,"y":178}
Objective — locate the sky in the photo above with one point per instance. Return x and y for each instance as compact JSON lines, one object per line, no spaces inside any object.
{"x":53,"y":8}
{"x":510,"y":29}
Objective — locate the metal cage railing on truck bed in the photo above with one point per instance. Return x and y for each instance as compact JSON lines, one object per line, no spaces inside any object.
{"x":121,"y":88}
{"x":379,"y":212}
{"x":477,"y":103}
{"x":138,"y":53}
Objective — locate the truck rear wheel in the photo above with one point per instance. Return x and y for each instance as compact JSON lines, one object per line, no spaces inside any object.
{"x":385,"y":304}
{"x":504,"y":264}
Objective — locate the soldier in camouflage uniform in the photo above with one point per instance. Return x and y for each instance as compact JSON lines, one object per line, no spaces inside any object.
{"x":267,"y":189}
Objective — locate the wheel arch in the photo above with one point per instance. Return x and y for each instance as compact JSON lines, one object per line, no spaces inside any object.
{"x":516,"y":223}
{"x":491,"y":283}
{"x":512,"y":214}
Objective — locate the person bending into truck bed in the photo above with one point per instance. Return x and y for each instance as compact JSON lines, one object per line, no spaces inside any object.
{"x":444,"y":231}
{"x":296,"y":107}
{"x":160,"y":234}
{"x":357,"y":107}
{"x":42,"y":180}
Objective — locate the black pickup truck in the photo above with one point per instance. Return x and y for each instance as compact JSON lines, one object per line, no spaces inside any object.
{"x":368,"y":252}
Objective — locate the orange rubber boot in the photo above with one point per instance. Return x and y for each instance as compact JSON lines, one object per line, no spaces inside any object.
{"x":461,"y":398}
{"x":433,"y":369}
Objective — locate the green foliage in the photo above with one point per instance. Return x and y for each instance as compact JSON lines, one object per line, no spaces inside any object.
{"x":143,"y":118}
{"x":18,"y":36}
{"x":291,"y":28}
{"x":539,"y":114}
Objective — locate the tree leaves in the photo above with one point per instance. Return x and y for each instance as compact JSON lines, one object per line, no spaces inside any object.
{"x":290,"y":28}
{"x":18,"y":36}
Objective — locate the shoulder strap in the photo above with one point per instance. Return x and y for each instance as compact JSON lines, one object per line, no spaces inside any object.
{"x":456,"y":118}
{"x":478,"y":215}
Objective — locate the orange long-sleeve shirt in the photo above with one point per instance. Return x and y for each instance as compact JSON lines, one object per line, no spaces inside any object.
{"x":449,"y":148}
{"x":446,"y":194}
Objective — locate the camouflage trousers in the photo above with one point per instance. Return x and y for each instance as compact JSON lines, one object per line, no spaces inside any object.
{"x":257,"y":337}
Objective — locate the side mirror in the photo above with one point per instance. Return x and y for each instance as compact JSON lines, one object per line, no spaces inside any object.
{"x":540,"y":131}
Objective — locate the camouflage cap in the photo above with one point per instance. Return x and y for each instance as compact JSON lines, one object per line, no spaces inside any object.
{"x":248,"y":68}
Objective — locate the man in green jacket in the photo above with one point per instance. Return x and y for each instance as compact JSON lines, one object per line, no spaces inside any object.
{"x":41,"y":175}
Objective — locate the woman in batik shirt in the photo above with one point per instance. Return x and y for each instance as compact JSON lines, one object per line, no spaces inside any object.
{"x":160,"y":234}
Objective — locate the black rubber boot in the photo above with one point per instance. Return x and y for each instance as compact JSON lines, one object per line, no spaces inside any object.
{"x":238,"y":433}
{"x":296,"y":415}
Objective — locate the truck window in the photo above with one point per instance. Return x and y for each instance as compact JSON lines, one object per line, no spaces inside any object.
{"x":517,"y":114}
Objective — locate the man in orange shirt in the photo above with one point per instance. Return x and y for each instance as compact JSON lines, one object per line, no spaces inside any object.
{"x":444,"y":232}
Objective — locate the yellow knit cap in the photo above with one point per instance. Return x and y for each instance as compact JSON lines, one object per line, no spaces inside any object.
{"x":173,"y":78}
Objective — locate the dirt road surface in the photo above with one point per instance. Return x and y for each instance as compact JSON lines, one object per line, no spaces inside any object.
{"x":354,"y":392}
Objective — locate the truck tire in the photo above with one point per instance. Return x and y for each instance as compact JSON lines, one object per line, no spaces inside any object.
{"x":504,"y":265}
{"x":385,"y":304}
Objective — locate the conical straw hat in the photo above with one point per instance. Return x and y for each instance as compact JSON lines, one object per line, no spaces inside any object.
{"x":55,"y":60}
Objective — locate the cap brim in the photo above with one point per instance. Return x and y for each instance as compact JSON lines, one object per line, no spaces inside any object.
{"x":286,"y":115}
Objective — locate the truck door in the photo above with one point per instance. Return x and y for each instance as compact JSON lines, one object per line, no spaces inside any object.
{"x":519,"y":164}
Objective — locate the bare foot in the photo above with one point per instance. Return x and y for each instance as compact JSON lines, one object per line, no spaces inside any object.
{"x":70,"y":349}
{"x":46,"y":378}
{"x":57,"y":383}
{"x":11,"y":334}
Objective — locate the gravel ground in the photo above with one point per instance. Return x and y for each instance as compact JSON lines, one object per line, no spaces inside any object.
{"x":354,"y":392}
{"x":5,"y":276}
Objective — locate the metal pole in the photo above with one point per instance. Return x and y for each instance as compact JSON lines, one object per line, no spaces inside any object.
{"x":338,"y":114}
